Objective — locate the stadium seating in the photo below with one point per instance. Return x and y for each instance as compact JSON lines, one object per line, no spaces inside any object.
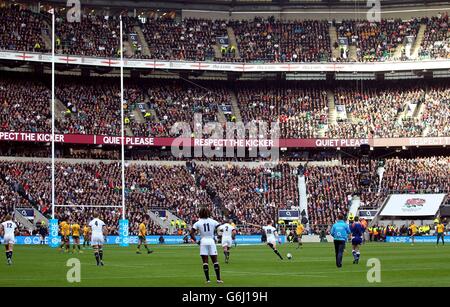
{"x":436,"y":41}
{"x":377,"y":41}
{"x":190,"y":39}
{"x":22,"y":30}
{"x":248,"y":195}
{"x":258,"y":40}
{"x":302,"y":110}
{"x":92,"y":108}
{"x":24,"y":105}
{"x":270,"y":40}
{"x":375,"y":111}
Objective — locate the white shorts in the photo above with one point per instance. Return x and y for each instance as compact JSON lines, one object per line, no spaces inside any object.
{"x":208,"y":247}
{"x":227,"y":242}
{"x":9,"y":240}
{"x":97,"y":240}
{"x":272,"y":241}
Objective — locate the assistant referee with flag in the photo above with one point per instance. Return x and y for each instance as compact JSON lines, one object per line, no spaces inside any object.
{"x":340,"y":232}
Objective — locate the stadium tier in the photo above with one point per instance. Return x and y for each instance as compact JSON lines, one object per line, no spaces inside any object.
{"x":256,"y":40}
{"x":303,"y":110}
{"x":245,"y":194}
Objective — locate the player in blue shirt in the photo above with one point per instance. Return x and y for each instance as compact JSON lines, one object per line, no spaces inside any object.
{"x":340,"y":232}
{"x":357,"y":230}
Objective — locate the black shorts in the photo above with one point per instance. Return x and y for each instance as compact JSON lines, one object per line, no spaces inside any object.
{"x":142,"y":239}
{"x":76,"y":237}
{"x":65,"y":239}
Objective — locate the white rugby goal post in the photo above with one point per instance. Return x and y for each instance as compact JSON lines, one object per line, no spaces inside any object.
{"x":53,"y":225}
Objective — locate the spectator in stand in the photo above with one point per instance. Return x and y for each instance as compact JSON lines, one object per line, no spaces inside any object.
{"x":378,"y":41}
{"x":270,"y":40}
{"x":436,"y":41}
{"x":24,"y":105}
{"x":22,"y":30}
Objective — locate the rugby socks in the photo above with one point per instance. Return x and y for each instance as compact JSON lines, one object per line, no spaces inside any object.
{"x":206,"y":271}
{"x":217,"y":270}
{"x":100,"y":253}
{"x":97,"y":257}
{"x":354,"y":254}
{"x":227,"y":255}
{"x":9,"y":255}
{"x":358,"y":254}
{"x":275,"y":251}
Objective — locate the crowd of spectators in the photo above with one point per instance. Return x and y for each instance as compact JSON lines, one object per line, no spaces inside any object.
{"x":10,"y":199}
{"x":91,"y":107}
{"x":177,"y":102}
{"x":93,"y":36}
{"x":300,"y":111}
{"x":330,"y":187}
{"x":24,"y":105}
{"x":435,"y":117}
{"x":21,"y":30}
{"x":271,"y":40}
{"x":377,"y":41}
{"x":374,"y":111}
{"x":436,"y":40}
{"x":248,"y":195}
{"x":170,"y":37}
{"x":427,"y":175}
{"x":187,"y":39}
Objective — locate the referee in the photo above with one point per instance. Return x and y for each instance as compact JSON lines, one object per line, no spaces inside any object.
{"x":340,"y":232}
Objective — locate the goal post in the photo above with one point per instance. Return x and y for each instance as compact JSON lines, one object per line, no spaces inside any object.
{"x":53,"y":238}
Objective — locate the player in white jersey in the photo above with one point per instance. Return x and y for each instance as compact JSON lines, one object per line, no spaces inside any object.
{"x":207,"y":227}
{"x":98,"y":233}
{"x":272,"y":237}
{"x":8,"y":231}
{"x":228,"y":235}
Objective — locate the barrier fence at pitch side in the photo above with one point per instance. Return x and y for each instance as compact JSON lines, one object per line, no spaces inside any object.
{"x":153,"y":239}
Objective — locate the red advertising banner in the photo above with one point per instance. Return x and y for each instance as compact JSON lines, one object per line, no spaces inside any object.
{"x":158,"y":142}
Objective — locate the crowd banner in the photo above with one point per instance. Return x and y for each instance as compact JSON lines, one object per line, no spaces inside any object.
{"x":413,"y":204}
{"x":7,"y":136}
{"x":417,"y":239}
{"x":152,"y":239}
{"x":385,"y":66}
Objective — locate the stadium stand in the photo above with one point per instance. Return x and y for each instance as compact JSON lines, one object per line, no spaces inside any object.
{"x":245,"y":194}
{"x":21,"y":30}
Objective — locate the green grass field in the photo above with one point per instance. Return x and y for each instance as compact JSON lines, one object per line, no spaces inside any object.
{"x":312,"y":265}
